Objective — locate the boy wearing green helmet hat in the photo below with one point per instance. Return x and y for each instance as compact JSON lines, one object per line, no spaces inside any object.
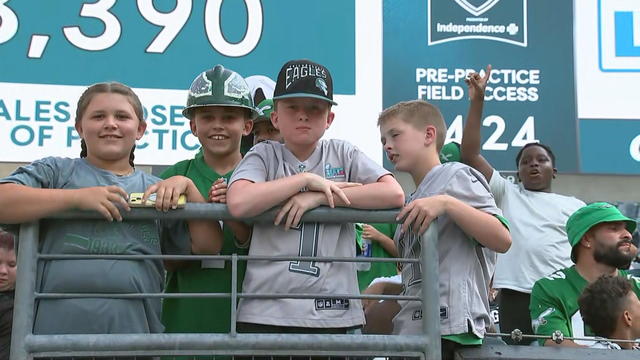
{"x":263,"y":129}
{"x":220,"y":112}
{"x":600,"y":239}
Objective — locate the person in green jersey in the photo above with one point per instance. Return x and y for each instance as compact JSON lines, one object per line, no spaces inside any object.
{"x":376,"y":240}
{"x":220,"y":110}
{"x":600,"y":238}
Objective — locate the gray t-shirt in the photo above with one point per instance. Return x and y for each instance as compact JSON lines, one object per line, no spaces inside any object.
{"x":465,"y":266}
{"x":335,"y":160}
{"x":151,"y":237}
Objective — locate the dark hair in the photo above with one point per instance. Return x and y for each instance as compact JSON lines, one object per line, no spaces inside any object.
{"x":602,"y":302}
{"x":6,"y":241}
{"x":102,"y":88}
{"x":545,"y":147}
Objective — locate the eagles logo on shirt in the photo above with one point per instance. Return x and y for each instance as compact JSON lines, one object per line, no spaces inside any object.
{"x":541,"y":319}
{"x":333,"y":172}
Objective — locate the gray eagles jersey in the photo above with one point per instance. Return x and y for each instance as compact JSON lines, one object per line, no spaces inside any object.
{"x":465,"y":266}
{"x":335,"y":160}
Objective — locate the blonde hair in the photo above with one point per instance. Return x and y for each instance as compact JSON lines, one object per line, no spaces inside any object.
{"x":419,"y":114}
{"x":102,"y":88}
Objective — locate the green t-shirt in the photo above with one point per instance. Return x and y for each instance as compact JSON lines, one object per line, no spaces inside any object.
{"x":554,"y":303}
{"x":191,"y":315}
{"x":378,"y":269}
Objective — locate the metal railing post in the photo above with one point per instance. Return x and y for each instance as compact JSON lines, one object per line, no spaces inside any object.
{"x":24,"y":302}
{"x":234,"y":293}
{"x":431,"y":292}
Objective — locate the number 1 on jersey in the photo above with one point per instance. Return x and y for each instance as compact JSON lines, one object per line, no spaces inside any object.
{"x":308,"y":247}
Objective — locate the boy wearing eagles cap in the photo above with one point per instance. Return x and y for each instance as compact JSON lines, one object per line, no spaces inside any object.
{"x":303,"y":173}
{"x":600,"y":238}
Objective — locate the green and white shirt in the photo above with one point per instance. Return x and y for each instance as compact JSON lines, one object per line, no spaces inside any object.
{"x":554,"y":304}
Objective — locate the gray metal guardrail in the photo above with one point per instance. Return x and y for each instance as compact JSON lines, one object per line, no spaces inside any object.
{"x":27,"y":345}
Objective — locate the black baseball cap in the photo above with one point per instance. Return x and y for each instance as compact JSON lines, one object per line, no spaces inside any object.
{"x":304,"y":78}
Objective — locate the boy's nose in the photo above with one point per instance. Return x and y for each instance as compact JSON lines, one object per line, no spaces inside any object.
{"x":217,"y":124}
{"x":302,"y":115}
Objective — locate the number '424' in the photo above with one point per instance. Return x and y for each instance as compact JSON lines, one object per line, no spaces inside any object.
{"x":526,"y":134}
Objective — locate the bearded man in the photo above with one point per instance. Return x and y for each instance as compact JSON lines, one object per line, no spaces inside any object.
{"x":600,"y":238}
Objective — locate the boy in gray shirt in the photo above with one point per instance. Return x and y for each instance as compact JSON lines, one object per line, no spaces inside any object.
{"x":470,"y":226}
{"x":303,"y":173}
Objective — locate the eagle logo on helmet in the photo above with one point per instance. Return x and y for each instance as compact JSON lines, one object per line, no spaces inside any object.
{"x":322,"y":85}
{"x":236,"y":87}
{"x":201,"y":86}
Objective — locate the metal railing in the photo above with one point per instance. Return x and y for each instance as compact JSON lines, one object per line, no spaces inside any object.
{"x":27,"y":345}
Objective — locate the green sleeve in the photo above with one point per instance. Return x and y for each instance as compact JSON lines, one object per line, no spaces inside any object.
{"x":504,"y":221}
{"x":179,"y":168}
{"x":393,"y":227}
{"x":387,"y":229}
{"x":546,"y":313}
{"x":635,"y":282}
{"x":358,"y":238}
{"x":464,"y":339}
{"x":169,"y":172}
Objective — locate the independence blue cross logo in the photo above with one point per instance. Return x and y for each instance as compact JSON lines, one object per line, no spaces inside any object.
{"x":497,"y":20}
{"x":619,"y":35}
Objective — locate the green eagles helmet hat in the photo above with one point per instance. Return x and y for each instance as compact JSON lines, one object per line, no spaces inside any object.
{"x":450,"y":152}
{"x":593,"y":214}
{"x":219,"y":87}
{"x":265,"y":108}
{"x":304,"y":78}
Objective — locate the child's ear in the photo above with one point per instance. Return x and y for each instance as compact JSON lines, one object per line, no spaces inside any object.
{"x":430,"y":135}
{"x":626,"y":317}
{"x":274,"y":119}
{"x":78,"y":127}
{"x":330,"y":118}
{"x":555,"y":173}
{"x":248,"y":126}
{"x":142,"y":126}
{"x":192,"y":125}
